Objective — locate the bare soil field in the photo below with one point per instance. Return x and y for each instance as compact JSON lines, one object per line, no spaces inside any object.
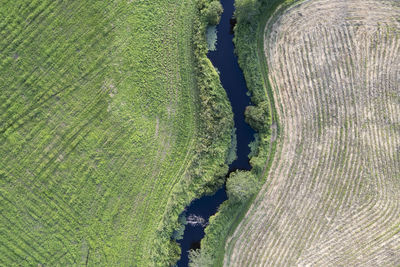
{"x":332,"y":196}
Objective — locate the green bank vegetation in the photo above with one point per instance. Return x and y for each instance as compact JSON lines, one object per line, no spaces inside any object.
{"x":107,"y":129}
{"x":209,"y":166}
{"x":241,"y":186}
{"x":251,"y":17}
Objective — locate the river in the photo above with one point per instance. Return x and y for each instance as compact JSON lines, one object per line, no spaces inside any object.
{"x":232,"y":79}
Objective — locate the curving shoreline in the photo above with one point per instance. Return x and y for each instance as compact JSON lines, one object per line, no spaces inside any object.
{"x":232,"y":79}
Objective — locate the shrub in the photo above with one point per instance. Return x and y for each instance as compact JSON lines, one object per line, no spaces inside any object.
{"x":178,"y":233}
{"x":198,"y":258}
{"x":232,"y":156}
{"x":241,"y":185}
{"x":247,"y":10}
{"x":258,"y":116}
{"x":254,"y":146}
{"x":213,"y":12}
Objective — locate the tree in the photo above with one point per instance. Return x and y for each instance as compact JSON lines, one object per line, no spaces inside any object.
{"x":213,"y":12}
{"x":258,"y":116}
{"x":178,"y":233}
{"x":246,"y":10}
{"x":241,"y":185}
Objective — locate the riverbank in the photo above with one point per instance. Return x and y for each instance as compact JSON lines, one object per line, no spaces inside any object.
{"x":248,"y":42}
{"x":206,"y":172}
{"x":225,"y":62}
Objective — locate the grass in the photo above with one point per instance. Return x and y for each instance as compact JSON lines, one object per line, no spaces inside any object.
{"x":98,"y":130}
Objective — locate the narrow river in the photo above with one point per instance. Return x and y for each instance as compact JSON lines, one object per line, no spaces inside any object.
{"x":225,"y":60}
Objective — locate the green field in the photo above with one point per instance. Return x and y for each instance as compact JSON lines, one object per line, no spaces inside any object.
{"x":99,"y":132}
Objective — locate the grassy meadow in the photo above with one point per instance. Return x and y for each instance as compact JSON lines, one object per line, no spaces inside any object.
{"x":100,"y":130}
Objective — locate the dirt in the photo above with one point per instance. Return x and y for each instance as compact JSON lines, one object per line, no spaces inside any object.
{"x":332,"y":194}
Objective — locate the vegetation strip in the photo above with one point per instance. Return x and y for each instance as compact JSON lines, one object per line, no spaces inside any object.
{"x":261,"y":116}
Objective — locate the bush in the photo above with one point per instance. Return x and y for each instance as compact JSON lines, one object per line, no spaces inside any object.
{"x":232,"y":156}
{"x":247,"y":10}
{"x":258,"y":116}
{"x":254,"y":146}
{"x":241,"y":185}
{"x":178,"y":233}
{"x":213,"y":12}
{"x":198,"y":258}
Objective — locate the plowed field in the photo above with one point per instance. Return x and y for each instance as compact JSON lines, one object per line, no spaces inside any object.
{"x":332,"y":196}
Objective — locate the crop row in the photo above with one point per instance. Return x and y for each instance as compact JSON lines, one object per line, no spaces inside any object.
{"x":330,"y":198}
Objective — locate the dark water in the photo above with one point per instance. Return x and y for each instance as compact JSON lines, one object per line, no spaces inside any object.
{"x":233,"y":81}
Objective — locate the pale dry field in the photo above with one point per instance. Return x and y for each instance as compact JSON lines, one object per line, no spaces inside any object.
{"x":332,"y":196}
